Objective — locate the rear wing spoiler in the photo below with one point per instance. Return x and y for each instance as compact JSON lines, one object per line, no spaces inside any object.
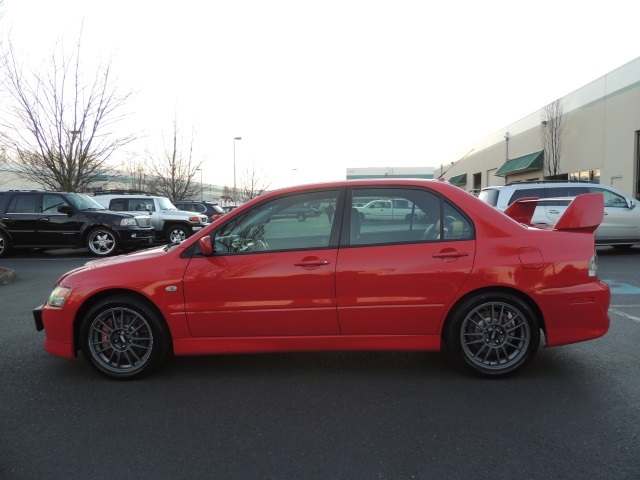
{"x":584,"y":213}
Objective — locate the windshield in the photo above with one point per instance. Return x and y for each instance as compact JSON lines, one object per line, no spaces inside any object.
{"x":165,"y":204}
{"x":83,"y":202}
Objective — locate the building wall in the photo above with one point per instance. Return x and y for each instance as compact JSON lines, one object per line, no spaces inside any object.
{"x":602,"y":121}
{"x":389,"y":172}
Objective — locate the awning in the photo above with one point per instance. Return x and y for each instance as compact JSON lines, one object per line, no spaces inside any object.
{"x":458,"y":179}
{"x":526,"y":163}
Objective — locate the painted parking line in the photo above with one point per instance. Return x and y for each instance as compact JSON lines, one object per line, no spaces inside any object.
{"x":614,"y":309}
{"x":618,"y":288}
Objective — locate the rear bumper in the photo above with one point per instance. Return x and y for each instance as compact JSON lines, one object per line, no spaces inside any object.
{"x":575,"y":314}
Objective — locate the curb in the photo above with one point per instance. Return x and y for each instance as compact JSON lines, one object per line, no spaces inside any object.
{"x":7,"y":276}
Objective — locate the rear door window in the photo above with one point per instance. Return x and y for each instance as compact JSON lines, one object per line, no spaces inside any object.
{"x":526,"y":192}
{"x":23,"y":203}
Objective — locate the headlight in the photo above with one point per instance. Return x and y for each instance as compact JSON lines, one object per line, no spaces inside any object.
{"x":128,"y":222}
{"x":58,"y":296}
{"x":194,"y":219}
{"x":593,"y":266}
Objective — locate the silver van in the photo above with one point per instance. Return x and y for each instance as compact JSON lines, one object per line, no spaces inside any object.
{"x":621,"y":224}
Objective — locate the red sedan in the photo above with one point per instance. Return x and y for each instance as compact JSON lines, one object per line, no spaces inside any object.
{"x":452,"y":272}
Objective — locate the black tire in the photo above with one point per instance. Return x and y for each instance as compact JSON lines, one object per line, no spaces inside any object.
{"x":301,"y":217}
{"x":177,"y":233}
{"x":102,"y":242}
{"x":5,"y":246}
{"x":493,"y":334}
{"x":123,"y":338}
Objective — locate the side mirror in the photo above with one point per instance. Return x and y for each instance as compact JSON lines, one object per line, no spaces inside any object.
{"x":206,"y":246}
{"x":65,"y":209}
{"x":632,"y":204}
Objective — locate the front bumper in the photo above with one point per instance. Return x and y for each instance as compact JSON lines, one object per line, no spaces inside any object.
{"x":58,"y":330}
{"x":137,"y":237}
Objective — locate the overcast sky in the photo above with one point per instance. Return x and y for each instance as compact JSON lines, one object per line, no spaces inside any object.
{"x":325,"y":85}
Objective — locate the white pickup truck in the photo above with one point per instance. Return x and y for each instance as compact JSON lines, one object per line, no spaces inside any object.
{"x":393,"y":209}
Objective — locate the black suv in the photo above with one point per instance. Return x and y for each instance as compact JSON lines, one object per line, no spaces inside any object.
{"x":42,"y":219}
{"x":210,"y":209}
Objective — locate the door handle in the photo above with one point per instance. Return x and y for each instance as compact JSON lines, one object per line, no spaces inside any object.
{"x":43,"y":219}
{"x":450,"y":254}
{"x":554,"y":211}
{"x":316,"y":262}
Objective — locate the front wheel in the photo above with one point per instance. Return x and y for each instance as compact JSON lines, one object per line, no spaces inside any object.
{"x":102,"y":242}
{"x":123,"y":338}
{"x":494,"y":334}
{"x":177,"y":233}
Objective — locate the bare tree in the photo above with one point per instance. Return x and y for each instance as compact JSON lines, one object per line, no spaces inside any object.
{"x":252,"y":185}
{"x":552,"y":132}
{"x":174,"y":170}
{"x":57,"y":125}
{"x":227,"y":194}
{"x":135,"y":175}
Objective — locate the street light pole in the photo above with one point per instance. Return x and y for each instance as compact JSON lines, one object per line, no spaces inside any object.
{"x":201,"y":188}
{"x":234,"y":167}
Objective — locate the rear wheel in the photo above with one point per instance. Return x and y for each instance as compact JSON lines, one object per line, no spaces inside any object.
{"x":4,"y":245}
{"x":123,"y":338}
{"x":494,"y":334}
{"x":301,"y":217}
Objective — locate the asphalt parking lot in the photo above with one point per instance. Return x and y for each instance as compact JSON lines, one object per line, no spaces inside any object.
{"x":574,"y":412}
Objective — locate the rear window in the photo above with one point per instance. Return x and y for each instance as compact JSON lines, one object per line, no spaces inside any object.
{"x":490,"y":196}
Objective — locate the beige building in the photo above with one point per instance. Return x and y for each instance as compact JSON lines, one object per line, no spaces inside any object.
{"x":600,"y":140}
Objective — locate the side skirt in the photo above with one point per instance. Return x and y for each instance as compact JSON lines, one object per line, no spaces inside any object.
{"x":207,"y":346}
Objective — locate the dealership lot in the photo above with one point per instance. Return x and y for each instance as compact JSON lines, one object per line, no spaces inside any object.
{"x":572,"y":413}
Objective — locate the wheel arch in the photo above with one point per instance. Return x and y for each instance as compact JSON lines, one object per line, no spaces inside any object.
{"x":100,"y":296}
{"x":494,"y":289}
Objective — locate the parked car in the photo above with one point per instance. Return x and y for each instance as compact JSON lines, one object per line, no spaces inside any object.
{"x":300,"y":212}
{"x":171,"y":225}
{"x":47,"y":220}
{"x":620,"y":227}
{"x":213,"y":211}
{"x":472,"y":279}
{"x":390,"y":209}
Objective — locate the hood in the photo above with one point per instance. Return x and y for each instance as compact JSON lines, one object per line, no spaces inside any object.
{"x":120,"y":259}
